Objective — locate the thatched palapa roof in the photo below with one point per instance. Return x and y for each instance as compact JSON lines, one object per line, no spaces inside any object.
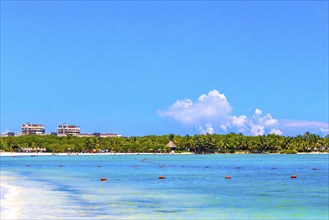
{"x":171,"y":145}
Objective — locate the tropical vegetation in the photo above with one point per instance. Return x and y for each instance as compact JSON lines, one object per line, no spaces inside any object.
{"x":199,"y":144}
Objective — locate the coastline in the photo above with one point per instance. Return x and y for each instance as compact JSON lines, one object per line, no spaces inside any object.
{"x":9,"y":203}
{"x":22,"y":198}
{"x":16,"y":154}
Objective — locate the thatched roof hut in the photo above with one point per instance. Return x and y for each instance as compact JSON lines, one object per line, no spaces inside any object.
{"x":171,"y":145}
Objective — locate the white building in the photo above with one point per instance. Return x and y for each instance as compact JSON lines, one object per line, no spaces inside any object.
{"x":33,"y":128}
{"x":106,"y":135}
{"x":64,"y":129}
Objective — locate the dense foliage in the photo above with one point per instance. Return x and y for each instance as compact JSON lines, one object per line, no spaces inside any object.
{"x":228,"y":143}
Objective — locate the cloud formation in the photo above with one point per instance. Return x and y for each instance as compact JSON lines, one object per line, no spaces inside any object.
{"x":208,"y":108}
{"x":206,"y":129}
{"x":303,"y":123}
{"x":303,"y":126}
{"x":256,"y":125}
{"x":212,"y":112}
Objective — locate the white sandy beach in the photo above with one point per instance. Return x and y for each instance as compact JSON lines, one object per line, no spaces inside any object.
{"x":25,"y":199}
{"x":15,"y":154}
{"x":9,"y":199}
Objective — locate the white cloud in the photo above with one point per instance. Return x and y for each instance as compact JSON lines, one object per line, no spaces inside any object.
{"x":324,"y":131}
{"x":257,"y":129}
{"x":257,"y":125}
{"x":207,"y":129}
{"x":239,"y":121}
{"x":303,"y":123}
{"x":268,"y":121}
{"x":214,"y":109}
{"x":257,"y":112}
{"x":302,"y":126}
{"x":224,"y":127}
{"x":212,"y":112}
{"x":186,"y":103}
{"x":211,"y":107}
{"x":276,"y":131}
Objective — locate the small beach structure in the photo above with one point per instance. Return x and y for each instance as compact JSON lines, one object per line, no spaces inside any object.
{"x":15,"y":148}
{"x":171,"y":145}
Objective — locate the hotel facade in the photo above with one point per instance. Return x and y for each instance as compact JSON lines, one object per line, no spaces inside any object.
{"x":64,"y":129}
{"x":33,"y":129}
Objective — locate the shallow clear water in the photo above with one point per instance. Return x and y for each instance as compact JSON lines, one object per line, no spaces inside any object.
{"x":194,"y":186}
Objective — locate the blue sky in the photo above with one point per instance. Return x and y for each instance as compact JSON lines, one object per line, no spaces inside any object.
{"x":140,"y":68}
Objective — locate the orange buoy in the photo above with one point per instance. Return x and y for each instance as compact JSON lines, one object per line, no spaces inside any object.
{"x":161,"y":177}
{"x":293,"y":177}
{"x":227,"y":177}
{"x":103,"y":179}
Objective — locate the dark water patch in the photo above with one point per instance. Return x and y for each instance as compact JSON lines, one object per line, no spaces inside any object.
{"x":169,"y":211}
{"x":264,"y":195}
{"x":144,"y":201}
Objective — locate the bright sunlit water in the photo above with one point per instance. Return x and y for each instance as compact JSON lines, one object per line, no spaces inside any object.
{"x":194,"y":186}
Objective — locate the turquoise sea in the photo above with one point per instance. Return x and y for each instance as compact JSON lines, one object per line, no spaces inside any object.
{"x":261,"y":187}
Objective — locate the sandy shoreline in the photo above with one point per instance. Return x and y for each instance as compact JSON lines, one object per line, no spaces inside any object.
{"x":22,"y":198}
{"x":15,"y":154}
{"x":8,"y":202}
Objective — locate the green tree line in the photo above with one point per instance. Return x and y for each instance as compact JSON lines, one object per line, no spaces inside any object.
{"x":200,"y":144}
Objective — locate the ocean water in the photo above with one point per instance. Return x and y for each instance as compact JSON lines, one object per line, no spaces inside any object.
{"x":261,"y":187}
